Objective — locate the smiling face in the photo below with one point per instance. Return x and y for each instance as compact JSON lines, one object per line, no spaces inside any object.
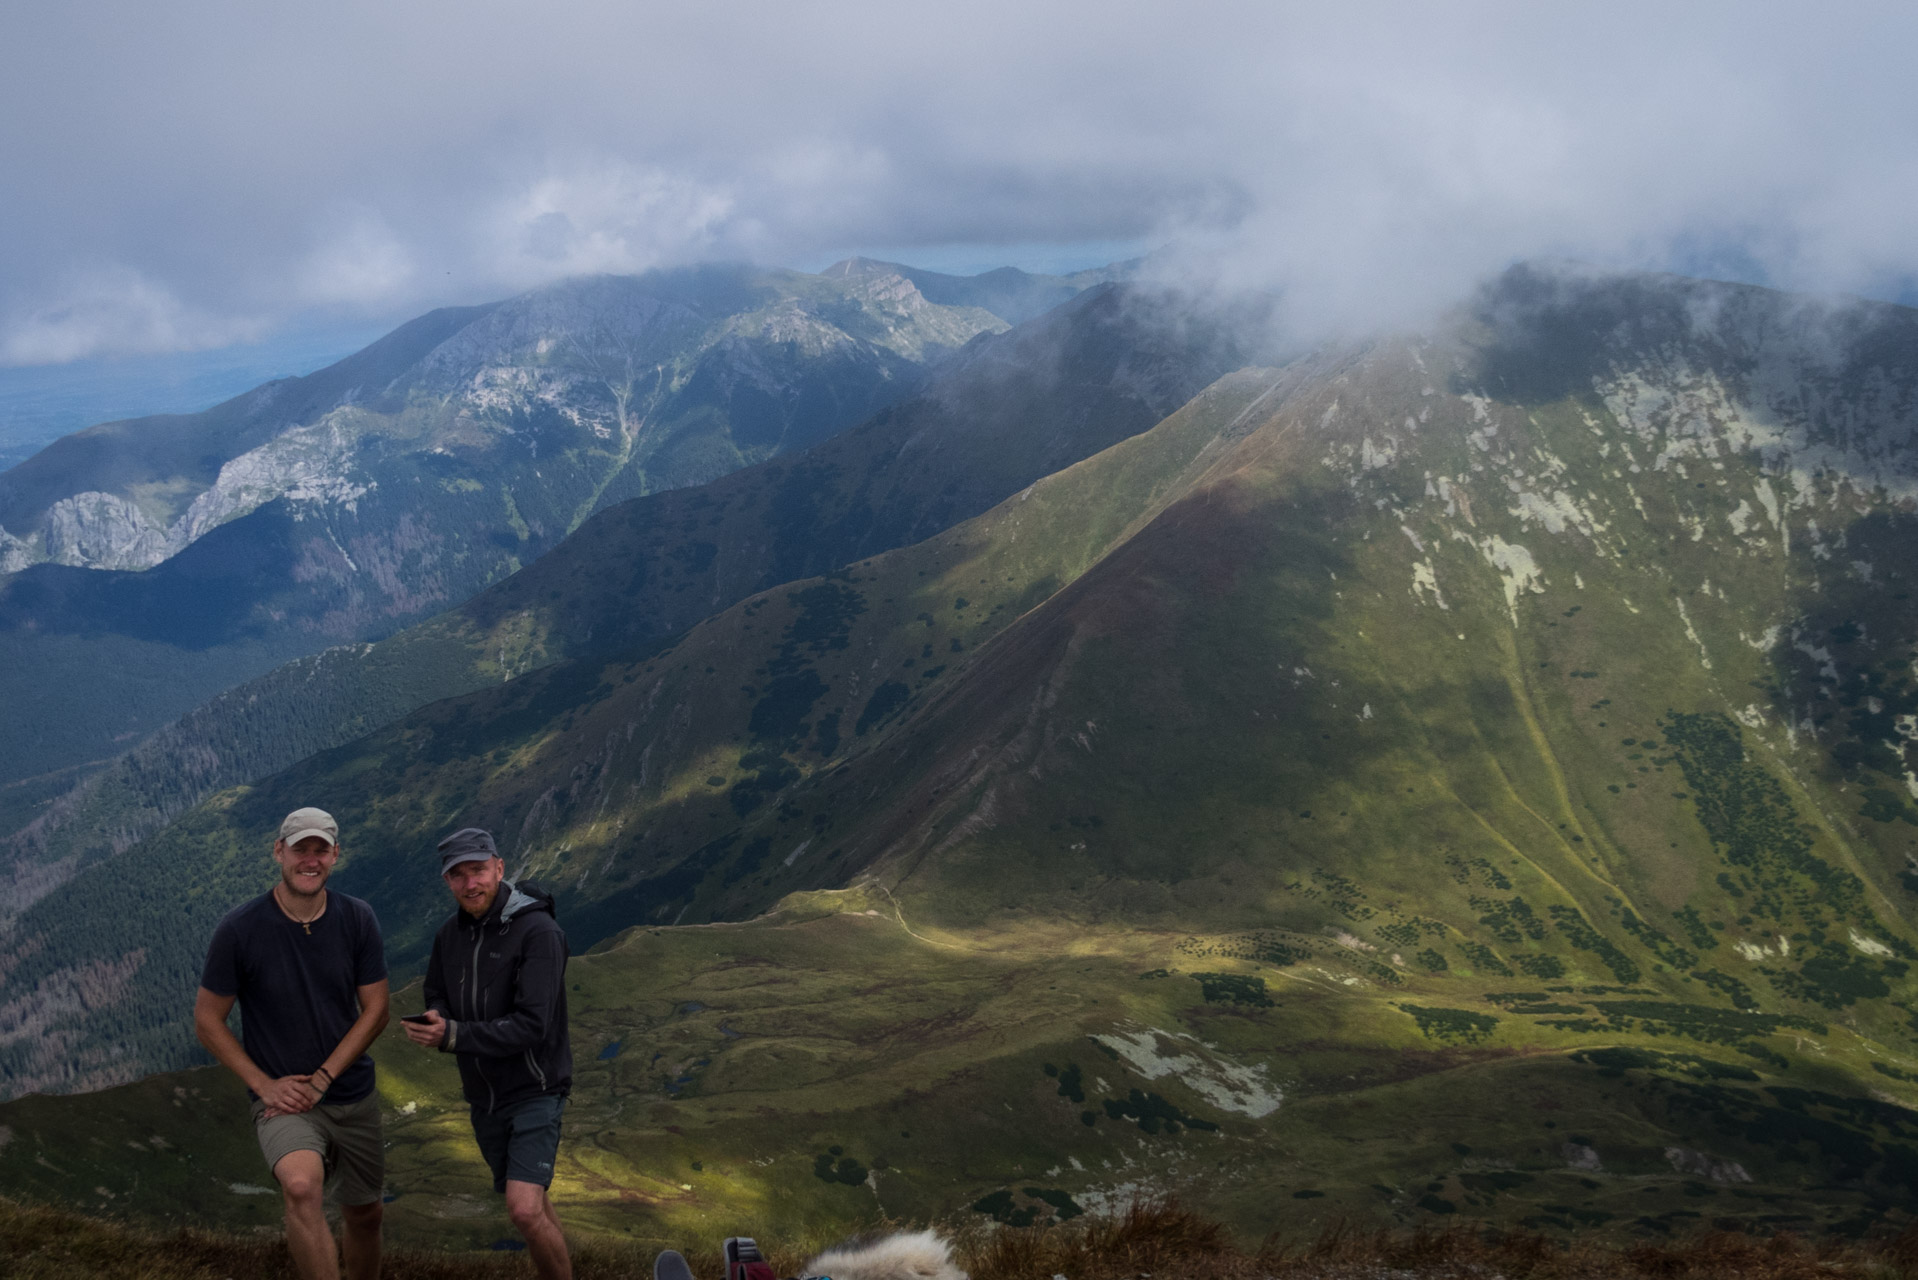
{"x":305,"y":865}
{"x":475,"y":884}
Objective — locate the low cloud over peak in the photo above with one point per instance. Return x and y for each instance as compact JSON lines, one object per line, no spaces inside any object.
{"x":185,"y":177}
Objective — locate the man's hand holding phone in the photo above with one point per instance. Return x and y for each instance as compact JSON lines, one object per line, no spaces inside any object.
{"x":424,"y":1029}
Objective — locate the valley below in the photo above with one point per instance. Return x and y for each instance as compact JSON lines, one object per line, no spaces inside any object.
{"x":833,"y":1064}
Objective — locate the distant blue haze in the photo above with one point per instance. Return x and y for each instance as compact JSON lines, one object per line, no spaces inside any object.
{"x":41,"y":403}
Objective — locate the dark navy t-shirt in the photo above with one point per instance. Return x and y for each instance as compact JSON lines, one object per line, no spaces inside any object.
{"x":298,"y":992}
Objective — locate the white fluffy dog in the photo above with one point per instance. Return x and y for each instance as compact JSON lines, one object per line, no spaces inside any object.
{"x":915,"y":1255}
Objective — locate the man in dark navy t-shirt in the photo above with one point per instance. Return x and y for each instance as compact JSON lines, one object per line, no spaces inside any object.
{"x":308,"y":969}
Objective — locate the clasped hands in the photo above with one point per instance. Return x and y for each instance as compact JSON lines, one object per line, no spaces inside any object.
{"x":290,"y":1095}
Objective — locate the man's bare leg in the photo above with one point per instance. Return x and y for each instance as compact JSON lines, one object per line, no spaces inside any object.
{"x":302,"y":1179}
{"x":361,"y":1243}
{"x":537,"y":1221}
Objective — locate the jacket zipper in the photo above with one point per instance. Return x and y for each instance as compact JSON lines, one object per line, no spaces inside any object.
{"x":476,"y":1003}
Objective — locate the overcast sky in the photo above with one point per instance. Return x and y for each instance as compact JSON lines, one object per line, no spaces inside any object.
{"x":206,"y":172}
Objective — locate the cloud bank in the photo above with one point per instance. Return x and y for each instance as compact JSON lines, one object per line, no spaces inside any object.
{"x":189,"y":175}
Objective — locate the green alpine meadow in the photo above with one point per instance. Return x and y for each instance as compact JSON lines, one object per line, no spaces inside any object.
{"x":1460,"y":778}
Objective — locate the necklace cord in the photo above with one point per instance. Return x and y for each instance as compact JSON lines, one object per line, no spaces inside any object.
{"x":306,"y":924}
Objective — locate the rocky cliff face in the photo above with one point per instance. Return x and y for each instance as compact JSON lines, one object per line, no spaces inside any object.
{"x":310,"y":466}
{"x":101,"y":531}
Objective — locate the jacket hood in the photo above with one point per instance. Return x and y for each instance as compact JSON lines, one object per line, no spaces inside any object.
{"x":512,"y":901}
{"x":525,"y":897}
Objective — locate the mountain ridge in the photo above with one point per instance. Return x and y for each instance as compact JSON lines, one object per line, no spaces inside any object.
{"x":402,"y":479}
{"x":978,"y":437}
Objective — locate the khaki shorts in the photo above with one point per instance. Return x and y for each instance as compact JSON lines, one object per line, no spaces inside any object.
{"x":348,"y":1138}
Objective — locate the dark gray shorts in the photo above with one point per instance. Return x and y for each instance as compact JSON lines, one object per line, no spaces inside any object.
{"x":521,"y":1142}
{"x":348,"y":1138}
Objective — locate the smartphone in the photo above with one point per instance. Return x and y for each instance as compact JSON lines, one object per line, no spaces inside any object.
{"x":420,"y":1019}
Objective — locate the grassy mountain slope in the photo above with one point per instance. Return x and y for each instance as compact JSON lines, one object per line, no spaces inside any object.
{"x":1009,"y":411}
{"x":81,"y":925}
{"x":398,"y":482}
{"x":1487,"y":748}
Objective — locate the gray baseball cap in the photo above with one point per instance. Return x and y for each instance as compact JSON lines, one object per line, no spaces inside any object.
{"x":302,"y":823}
{"x":468,"y":844}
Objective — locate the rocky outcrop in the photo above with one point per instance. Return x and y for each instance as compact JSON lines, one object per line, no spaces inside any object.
{"x":15,"y":555}
{"x":307,"y":464}
{"x":1701,"y":1165}
{"x":97,"y":530}
{"x":102,"y":531}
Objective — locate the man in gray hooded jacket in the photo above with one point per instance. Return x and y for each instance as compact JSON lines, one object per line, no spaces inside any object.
{"x":496,"y":996}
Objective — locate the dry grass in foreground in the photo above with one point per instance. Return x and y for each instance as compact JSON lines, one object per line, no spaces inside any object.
{"x":1165,"y":1241}
{"x":1160,"y":1240}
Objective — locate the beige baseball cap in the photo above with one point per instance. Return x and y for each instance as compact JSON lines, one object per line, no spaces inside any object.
{"x":302,"y":823}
